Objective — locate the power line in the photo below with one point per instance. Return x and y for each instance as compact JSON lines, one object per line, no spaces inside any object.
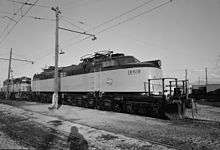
{"x":82,"y":4}
{"x":62,"y":17}
{"x":18,"y":21}
{"x":134,"y":17}
{"x":43,"y":56}
{"x":19,"y":8}
{"x":66,"y":19}
{"x":117,"y":17}
{"x":129,"y":19}
{"x":15,"y":13}
{"x":8,"y":13}
{"x":25,"y":60}
{"x":83,"y":33}
{"x":33,"y":17}
{"x":30,"y":4}
{"x":123,"y":14}
{"x":13,"y":18}
{"x":40,"y":18}
{"x":23,"y":4}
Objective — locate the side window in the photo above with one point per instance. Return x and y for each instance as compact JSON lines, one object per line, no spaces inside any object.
{"x":62,"y":74}
{"x":109,"y":63}
{"x":127,"y":60}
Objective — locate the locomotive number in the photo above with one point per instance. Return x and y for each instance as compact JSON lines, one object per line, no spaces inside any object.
{"x":134,"y":71}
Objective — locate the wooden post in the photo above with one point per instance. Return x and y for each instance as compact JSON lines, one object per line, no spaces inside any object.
{"x":9,"y":75}
{"x":55,"y":96}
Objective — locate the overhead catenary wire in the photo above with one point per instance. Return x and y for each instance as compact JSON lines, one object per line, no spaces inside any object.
{"x":7,"y":13}
{"x":80,"y":5}
{"x":119,"y":16}
{"x":25,"y":60}
{"x":122,"y":14}
{"x":134,"y":17}
{"x":108,"y":21}
{"x":66,"y":19}
{"x":2,"y":33}
{"x":124,"y":21}
{"x":18,"y":21}
{"x":30,"y":4}
{"x":108,"y":28}
{"x":40,"y":18}
{"x":33,"y":17}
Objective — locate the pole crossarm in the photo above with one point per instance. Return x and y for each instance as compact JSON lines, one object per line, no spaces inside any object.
{"x":17,"y":60}
{"x":84,"y":33}
{"x":55,"y":97}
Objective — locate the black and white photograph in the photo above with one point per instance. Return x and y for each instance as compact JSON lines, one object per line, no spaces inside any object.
{"x":110,"y":74}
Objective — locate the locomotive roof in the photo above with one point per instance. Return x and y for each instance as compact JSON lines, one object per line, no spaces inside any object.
{"x":100,"y":55}
{"x":17,"y":80}
{"x":104,"y":60}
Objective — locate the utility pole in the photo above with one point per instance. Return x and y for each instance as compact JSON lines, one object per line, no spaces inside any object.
{"x":9,"y":70}
{"x":186,"y":74}
{"x":206,"y":78}
{"x":55,"y":97}
{"x":9,"y":73}
{"x":186,"y":81}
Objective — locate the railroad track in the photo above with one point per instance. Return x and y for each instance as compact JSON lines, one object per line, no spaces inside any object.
{"x":61,"y":136}
{"x":34,"y":135}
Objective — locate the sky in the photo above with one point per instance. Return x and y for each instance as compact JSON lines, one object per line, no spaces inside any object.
{"x":183,"y":34}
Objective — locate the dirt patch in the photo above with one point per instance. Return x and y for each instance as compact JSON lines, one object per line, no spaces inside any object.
{"x":46,"y":132}
{"x":183,"y":134}
{"x":28,"y":133}
{"x":8,"y":143}
{"x":55,"y":122}
{"x":107,"y":137}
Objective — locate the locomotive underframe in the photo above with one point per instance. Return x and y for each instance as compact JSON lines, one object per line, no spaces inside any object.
{"x":139,"y":103}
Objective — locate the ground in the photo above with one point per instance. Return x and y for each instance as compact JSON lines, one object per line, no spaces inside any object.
{"x":106,"y":130}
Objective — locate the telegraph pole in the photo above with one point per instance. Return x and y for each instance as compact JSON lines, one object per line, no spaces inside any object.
{"x":186,"y":74}
{"x":186,"y":81}
{"x":9,"y":73}
{"x":206,"y":78}
{"x":9,"y":70}
{"x":55,"y":97}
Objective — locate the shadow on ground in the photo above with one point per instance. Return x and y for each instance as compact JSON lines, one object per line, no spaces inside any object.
{"x":76,"y":140}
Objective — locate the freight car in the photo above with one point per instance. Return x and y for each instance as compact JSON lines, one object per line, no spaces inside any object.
{"x":110,"y":81}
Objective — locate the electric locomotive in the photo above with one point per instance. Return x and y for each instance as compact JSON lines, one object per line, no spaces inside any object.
{"x":108,"y":81}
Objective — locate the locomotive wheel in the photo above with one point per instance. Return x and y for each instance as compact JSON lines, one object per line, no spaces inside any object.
{"x":91,"y":103}
{"x":157,"y":110}
{"x":86,"y":103}
{"x":129,"y":108}
{"x":107,"y":105}
{"x":142,"y":109}
{"x":100,"y":104}
{"x":117,"y":107}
